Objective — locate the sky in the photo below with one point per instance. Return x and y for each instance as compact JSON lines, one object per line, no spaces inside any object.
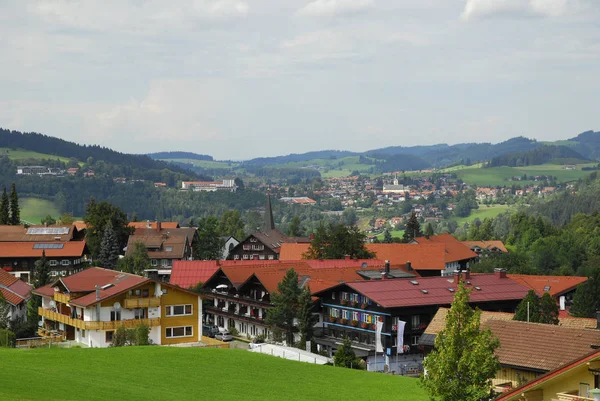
{"x":238,"y":79}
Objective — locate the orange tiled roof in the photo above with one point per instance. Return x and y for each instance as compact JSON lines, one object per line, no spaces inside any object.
{"x":421,"y":256}
{"x":71,"y":249}
{"x":291,"y":251}
{"x":555,"y":285}
{"x":486,"y":245}
{"x":455,"y":250}
{"x":144,"y":224}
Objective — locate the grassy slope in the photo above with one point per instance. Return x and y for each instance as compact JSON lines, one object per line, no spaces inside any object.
{"x":498,"y":175}
{"x":204,"y":163}
{"x":21,"y":154}
{"x":170,"y":373}
{"x":33,"y":210}
{"x":483,"y":212}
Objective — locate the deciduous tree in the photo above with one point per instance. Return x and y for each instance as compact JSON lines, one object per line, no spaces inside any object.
{"x":294,"y":228}
{"x":335,"y":241}
{"x":137,"y":261}
{"x":462,"y":364}
{"x":210,"y":244}
{"x":548,"y":309}
{"x":528,"y":309}
{"x":96,"y":217}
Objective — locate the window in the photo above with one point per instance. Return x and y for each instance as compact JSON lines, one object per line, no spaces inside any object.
{"x":355,"y":316}
{"x":354,"y":297}
{"x":345,"y":295}
{"x":178,"y":310}
{"x":53,"y":263}
{"x":415,"y":321}
{"x":333,"y":295}
{"x":82,"y":333}
{"x":53,"y":273}
{"x":138,"y":292}
{"x":345,"y":314}
{"x":168,"y":249}
{"x":154,"y":262}
{"x":414,"y":340}
{"x":333,"y":312}
{"x":244,"y":256}
{"x":115,"y":315}
{"x":145,"y":293}
{"x":65,"y":262}
{"x":236,"y":257}
{"x":108,"y":337}
{"x":261,"y":257}
{"x":270,"y":257}
{"x":176,"y":332}
{"x":163,"y":262}
{"x":139,"y":313}
{"x":165,"y":291}
{"x":366,"y":318}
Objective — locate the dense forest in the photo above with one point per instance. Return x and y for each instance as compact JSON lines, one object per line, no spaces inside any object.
{"x":122,"y":165}
{"x":543,"y":154}
{"x":179,"y":155}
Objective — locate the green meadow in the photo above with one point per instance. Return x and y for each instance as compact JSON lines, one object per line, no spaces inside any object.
{"x":173,"y":373}
{"x":500,"y":176}
{"x":33,"y":210}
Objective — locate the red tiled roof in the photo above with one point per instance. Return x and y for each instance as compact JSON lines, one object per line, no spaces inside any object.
{"x":420,"y":256}
{"x":14,"y":290}
{"x":80,"y":225}
{"x":144,"y":224}
{"x":516,"y":393}
{"x":71,"y":249}
{"x":455,"y":250}
{"x":557,"y":284}
{"x":188,"y":273}
{"x":486,"y":245}
{"x":86,"y":281}
{"x":402,"y":293}
{"x":291,"y":251}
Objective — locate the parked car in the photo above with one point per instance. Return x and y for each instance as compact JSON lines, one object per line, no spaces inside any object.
{"x":209,"y":330}
{"x":223,"y":335}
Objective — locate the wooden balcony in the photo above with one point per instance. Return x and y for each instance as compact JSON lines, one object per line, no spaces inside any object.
{"x":118,"y":323}
{"x":571,"y":396}
{"x":60,"y":297}
{"x":59,"y":317}
{"x":137,"y":302}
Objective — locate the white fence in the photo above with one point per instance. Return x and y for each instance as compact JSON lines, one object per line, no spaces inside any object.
{"x":293,"y":354}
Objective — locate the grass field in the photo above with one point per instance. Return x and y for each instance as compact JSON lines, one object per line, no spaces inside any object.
{"x":33,"y":210}
{"x":484,"y":212}
{"x":498,"y":176}
{"x":395,"y":233}
{"x":20,"y":154}
{"x":171,"y":373}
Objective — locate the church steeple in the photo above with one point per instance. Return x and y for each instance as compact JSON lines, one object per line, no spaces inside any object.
{"x":269,"y":222}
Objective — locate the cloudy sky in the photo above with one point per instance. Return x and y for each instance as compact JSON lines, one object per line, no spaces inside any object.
{"x":238,"y":79}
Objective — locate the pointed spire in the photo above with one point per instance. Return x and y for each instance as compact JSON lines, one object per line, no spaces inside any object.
{"x":269,"y":223}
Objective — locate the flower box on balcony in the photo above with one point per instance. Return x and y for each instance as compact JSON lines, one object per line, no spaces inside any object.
{"x":332,"y":319}
{"x":344,"y":321}
{"x":354,"y":323}
{"x":354,"y":304}
{"x":363,"y":306}
{"x":344,"y":302}
{"x":364,"y":325}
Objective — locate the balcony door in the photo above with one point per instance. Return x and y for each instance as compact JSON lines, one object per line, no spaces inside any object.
{"x":115,"y":315}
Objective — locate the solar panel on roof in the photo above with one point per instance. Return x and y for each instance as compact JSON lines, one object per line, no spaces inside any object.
{"x":48,"y":230}
{"x":48,"y":246}
{"x":547,"y":288}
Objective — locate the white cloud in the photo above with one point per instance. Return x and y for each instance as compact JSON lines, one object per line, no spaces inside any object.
{"x":326,"y":8}
{"x":545,"y":8}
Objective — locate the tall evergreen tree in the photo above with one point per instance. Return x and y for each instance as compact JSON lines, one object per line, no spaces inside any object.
{"x":462,"y":364}
{"x":294,"y":228}
{"x":429,"y":230}
{"x":412,"y":229}
{"x":41,"y":272}
{"x":286,"y":302}
{"x":210,"y":244}
{"x":4,"y":208}
{"x":345,"y":356}
{"x":548,"y":309}
{"x":97,"y":215}
{"x":387,"y":237}
{"x":531,"y":302}
{"x":306,"y":318}
{"x":15,"y":211}
{"x":109,"y":248}
{"x":586,"y":300}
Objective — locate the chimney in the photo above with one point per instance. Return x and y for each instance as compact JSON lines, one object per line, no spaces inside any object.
{"x":387,"y":267}
{"x":500,"y":273}
{"x":409,"y":266}
{"x":97,"y":292}
{"x":218,"y":262}
{"x":466,"y":275}
{"x":148,"y":225}
{"x":347,"y":257}
{"x":311,"y":236}
{"x":158,"y":226}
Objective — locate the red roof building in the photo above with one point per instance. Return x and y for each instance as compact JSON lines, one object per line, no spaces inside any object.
{"x":16,"y":293}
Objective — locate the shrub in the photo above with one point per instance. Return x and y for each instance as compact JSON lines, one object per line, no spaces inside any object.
{"x":7,"y":338}
{"x":121,"y":337}
{"x":234,"y":332}
{"x":142,"y":335}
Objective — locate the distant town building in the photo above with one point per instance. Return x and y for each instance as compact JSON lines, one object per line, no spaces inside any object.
{"x":299,"y":200}
{"x":395,"y":188}
{"x":210,"y":186}
{"x":39,"y":170}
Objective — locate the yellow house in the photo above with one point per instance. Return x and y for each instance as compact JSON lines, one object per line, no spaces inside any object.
{"x":574,"y":381}
{"x":89,"y":306}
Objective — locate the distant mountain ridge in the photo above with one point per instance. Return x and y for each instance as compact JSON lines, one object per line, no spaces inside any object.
{"x":179,"y":155}
{"x":540,"y":155}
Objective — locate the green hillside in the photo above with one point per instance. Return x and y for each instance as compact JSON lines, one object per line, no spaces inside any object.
{"x":499,"y":176}
{"x":21,"y":154}
{"x":172,"y":373}
{"x":203,"y":163}
{"x":33,"y":210}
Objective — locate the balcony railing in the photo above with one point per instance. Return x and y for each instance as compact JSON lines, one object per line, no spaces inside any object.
{"x":241,"y":316}
{"x":60,"y":297}
{"x":88,"y":325}
{"x":572,"y":396}
{"x":131,"y":303}
{"x":118,"y":323}
{"x":244,"y":299}
{"x":59,"y":317}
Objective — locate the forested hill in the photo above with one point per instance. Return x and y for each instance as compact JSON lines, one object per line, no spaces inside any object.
{"x":294,"y":157}
{"x":587,"y":143}
{"x":52,"y":146}
{"x":179,"y":155}
{"x":541,"y":155}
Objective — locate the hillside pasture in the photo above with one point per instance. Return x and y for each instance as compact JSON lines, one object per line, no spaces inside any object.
{"x":205,"y":163}
{"x":20,"y":154}
{"x":173,"y":373}
{"x":484,"y":212}
{"x":33,"y":210}
{"x":500,"y":176}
